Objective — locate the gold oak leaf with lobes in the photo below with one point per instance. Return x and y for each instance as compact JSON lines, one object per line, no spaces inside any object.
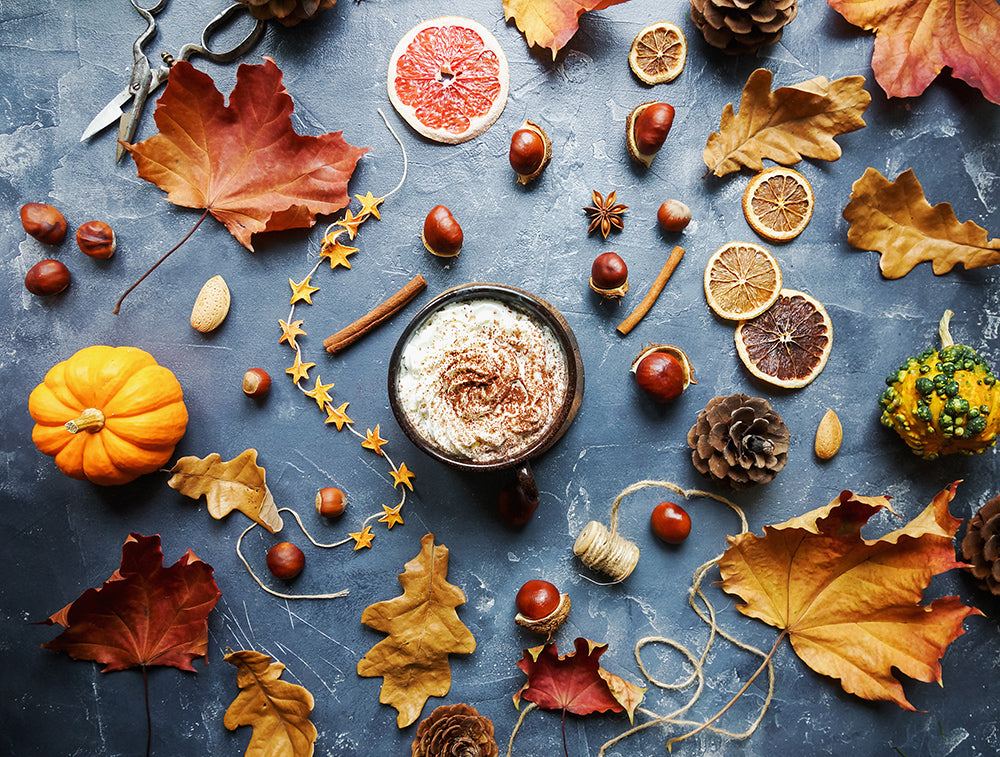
{"x":894,"y":219}
{"x":278,"y":710}
{"x":243,"y":162}
{"x":551,"y":23}
{"x":786,"y":125}
{"x":145,"y":614}
{"x":916,"y":39}
{"x":851,"y":606}
{"x":423,"y":630}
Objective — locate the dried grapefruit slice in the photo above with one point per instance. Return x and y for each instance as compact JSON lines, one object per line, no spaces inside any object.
{"x":448,"y":79}
{"x":788,"y":344}
{"x":658,"y":53}
{"x":778,"y":203}
{"x":742,"y":280}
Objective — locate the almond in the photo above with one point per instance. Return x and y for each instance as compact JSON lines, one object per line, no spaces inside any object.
{"x":211,"y":306}
{"x":829,"y":435}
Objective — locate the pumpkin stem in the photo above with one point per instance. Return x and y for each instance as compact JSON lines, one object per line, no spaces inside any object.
{"x":91,"y":420}
{"x":943,"y":332}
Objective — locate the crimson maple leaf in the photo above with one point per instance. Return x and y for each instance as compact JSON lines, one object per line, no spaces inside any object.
{"x":243,"y":162}
{"x":145,"y":614}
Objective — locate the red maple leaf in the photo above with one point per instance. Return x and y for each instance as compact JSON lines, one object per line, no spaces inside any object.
{"x":145,"y":614}
{"x":575,"y":682}
{"x":243,"y":162}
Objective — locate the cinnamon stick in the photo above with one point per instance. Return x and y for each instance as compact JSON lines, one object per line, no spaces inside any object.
{"x":654,"y":291}
{"x":375,"y":317}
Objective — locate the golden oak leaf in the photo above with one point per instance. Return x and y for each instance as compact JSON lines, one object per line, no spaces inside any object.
{"x":423,"y":630}
{"x":243,"y":162}
{"x":551,"y":23}
{"x":895,"y":220}
{"x":278,"y":710}
{"x":916,"y":39}
{"x":786,"y":125}
{"x":237,"y":484}
{"x":852,"y":606}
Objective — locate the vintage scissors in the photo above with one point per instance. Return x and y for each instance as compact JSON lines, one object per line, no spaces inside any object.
{"x":145,"y":79}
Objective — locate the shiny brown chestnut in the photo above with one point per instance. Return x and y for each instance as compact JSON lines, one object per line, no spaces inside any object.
{"x":530,"y":151}
{"x":47,"y":277}
{"x":43,"y":222}
{"x":609,"y":275}
{"x":96,"y":239}
{"x":442,"y":234}
{"x":646,"y":128}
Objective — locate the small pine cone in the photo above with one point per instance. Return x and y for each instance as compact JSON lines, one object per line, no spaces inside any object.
{"x":740,"y":27}
{"x":455,"y":730}
{"x":981,"y":545}
{"x":739,"y":441}
{"x":286,"y":12}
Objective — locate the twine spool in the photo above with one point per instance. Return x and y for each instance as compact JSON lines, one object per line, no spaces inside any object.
{"x":609,"y":553}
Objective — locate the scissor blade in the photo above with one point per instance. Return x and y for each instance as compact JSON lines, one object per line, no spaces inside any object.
{"x":109,"y":114}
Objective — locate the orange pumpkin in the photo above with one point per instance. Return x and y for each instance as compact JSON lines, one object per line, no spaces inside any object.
{"x":108,"y":414}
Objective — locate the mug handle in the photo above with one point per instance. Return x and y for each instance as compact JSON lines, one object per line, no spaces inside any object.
{"x":518,"y":501}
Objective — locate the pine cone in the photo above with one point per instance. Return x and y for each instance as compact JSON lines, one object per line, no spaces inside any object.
{"x":455,"y":730}
{"x":981,"y":545}
{"x":742,"y":26}
{"x":286,"y":12}
{"x":739,"y":440}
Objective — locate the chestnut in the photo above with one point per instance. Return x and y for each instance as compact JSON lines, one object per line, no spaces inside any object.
{"x":47,"y":277}
{"x":256,"y":383}
{"x":609,"y":275}
{"x":646,"y":128}
{"x":673,"y":215}
{"x":330,"y":502}
{"x":285,"y":560}
{"x":43,"y":222}
{"x":663,"y":372}
{"x":442,"y":235}
{"x":530,"y":151}
{"x":96,"y":239}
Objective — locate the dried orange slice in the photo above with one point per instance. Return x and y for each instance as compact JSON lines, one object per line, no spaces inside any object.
{"x":778,"y":203}
{"x":788,"y":344}
{"x":658,"y":53}
{"x":742,"y":280}
{"x":448,"y":78}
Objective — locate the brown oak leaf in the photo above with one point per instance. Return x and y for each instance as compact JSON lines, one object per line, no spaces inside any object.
{"x":423,"y":630}
{"x":551,"y":23}
{"x":278,"y":710}
{"x":237,"y":484}
{"x":786,"y":125}
{"x":243,"y":162}
{"x":916,"y":39}
{"x":852,"y":606}
{"x":895,"y":220}
{"x":145,"y":614}
{"x":575,"y":682}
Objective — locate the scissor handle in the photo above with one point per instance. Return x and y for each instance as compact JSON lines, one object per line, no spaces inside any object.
{"x":216,"y":24}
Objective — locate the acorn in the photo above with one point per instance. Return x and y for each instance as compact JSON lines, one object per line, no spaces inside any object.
{"x":530,"y":151}
{"x":646,"y":130}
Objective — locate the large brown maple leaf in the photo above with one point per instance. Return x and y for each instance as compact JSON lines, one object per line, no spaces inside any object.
{"x":145,"y":614}
{"x":916,"y":39}
{"x":852,"y":606}
{"x":551,"y":23}
{"x":243,"y":162}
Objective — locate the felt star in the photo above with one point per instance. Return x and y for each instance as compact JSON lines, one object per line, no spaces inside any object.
{"x":302,"y":292}
{"x":363,"y":538}
{"x":403,"y":475}
{"x":338,"y":416}
{"x":369,"y":205}
{"x":319,"y":392}
{"x":289,"y":331}
{"x":373,"y":441}
{"x":299,"y":370}
{"x":336,"y":252}
{"x":392,"y":516}
{"x":351,"y":223}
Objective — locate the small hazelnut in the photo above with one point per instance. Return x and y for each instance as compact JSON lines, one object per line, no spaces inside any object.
{"x":530,"y":151}
{"x":442,"y":235}
{"x":285,"y":560}
{"x":330,"y":502}
{"x":47,"y":277}
{"x":96,"y":239}
{"x":256,"y":383}
{"x":673,"y":215}
{"x":43,"y":222}
{"x":609,"y":276}
{"x":646,"y":128}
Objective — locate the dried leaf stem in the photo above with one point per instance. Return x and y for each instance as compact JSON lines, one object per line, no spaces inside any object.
{"x":654,"y":292}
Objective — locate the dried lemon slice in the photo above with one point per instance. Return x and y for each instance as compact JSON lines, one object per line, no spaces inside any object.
{"x":788,"y":344}
{"x":658,"y":53}
{"x":778,"y":203}
{"x":742,"y":280}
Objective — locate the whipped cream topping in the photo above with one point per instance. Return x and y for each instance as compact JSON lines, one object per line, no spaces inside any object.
{"x":482,"y":381}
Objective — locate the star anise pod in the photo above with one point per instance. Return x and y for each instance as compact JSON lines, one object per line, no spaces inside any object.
{"x":605,"y":214}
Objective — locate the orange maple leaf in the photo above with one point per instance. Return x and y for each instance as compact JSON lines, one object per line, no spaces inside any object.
{"x":916,"y":39}
{"x":551,"y":23}
{"x":852,"y":606}
{"x":243,"y":162}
